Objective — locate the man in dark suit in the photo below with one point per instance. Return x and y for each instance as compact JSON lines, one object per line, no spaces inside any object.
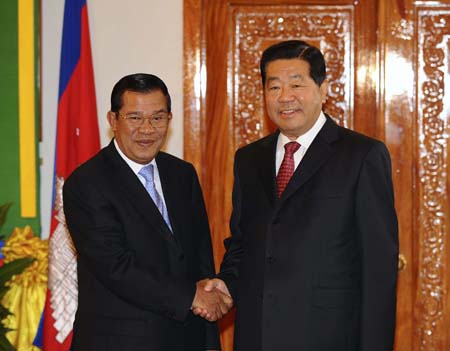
{"x":312,"y":260}
{"x":138,"y":221}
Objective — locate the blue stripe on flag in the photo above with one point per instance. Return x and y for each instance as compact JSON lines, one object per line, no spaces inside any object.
{"x":70,"y":50}
{"x":38,"y":340}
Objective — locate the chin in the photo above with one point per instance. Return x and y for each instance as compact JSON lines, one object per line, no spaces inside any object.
{"x":290,"y":127}
{"x":145,"y":158}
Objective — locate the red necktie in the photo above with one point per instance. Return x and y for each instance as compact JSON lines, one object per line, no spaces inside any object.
{"x":287,"y":166}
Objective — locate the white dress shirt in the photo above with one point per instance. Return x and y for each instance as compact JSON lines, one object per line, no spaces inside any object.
{"x":136,"y":167}
{"x":304,"y":140}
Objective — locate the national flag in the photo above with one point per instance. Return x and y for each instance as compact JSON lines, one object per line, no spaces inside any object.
{"x":77,"y":139}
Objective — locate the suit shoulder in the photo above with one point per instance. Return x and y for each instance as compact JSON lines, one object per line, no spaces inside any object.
{"x":174,"y":162}
{"x":356,"y":138}
{"x":356,"y":143}
{"x":268,"y":141}
{"x":88,"y":169}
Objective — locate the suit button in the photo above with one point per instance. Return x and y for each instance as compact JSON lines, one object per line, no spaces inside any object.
{"x":270,"y":259}
{"x":276,"y":220}
{"x":181,"y":257}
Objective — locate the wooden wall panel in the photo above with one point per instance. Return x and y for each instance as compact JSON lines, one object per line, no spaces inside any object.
{"x":388,"y":62}
{"x":396,"y":106}
{"x":256,"y":27}
{"x":433,"y":210}
{"x":194,"y":83}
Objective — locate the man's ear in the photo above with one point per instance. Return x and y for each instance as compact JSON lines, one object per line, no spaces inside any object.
{"x":324,"y":90}
{"x":112,"y":119}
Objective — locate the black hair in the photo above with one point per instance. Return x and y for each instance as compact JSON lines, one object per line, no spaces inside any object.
{"x":140,"y":83}
{"x":295,"y":49}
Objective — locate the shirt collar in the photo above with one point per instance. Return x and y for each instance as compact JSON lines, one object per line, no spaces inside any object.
{"x":305,"y":140}
{"x":136,"y":167}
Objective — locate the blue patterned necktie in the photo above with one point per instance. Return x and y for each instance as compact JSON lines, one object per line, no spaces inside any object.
{"x":147,"y":172}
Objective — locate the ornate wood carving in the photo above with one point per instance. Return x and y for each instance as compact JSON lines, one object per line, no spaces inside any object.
{"x":257,"y":27}
{"x":433,"y":213}
{"x":397,"y":115}
{"x":403,"y":29}
{"x":389,"y":64}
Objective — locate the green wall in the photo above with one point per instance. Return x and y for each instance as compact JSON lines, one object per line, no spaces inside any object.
{"x":9,"y":132}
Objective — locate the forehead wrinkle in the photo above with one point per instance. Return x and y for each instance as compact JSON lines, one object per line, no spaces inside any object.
{"x":296,"y":76}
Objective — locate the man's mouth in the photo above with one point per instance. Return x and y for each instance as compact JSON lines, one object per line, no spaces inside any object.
{"x":145,"y":143}
{"x":289,"y":112}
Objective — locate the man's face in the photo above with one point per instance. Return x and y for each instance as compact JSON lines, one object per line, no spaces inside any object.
{"x":139,"y":143}
{"x":293,"y":99}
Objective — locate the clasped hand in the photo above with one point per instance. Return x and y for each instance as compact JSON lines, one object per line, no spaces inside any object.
{"x":212,"y":299}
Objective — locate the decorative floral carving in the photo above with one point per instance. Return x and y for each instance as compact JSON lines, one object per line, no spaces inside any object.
{"x":330,"y":28}
{"x":434,"y":34}
{"x":403,"y":29}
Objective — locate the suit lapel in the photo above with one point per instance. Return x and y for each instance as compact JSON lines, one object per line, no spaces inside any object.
{"x":319,"y":151}
{"x":169,"y":185}
{"x":130,"y":187}
{"x":266,"y":162}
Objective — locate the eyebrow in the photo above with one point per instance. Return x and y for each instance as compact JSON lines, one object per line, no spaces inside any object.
{"x":140,"y":112}
{"x":271,"y":79}
{"x":161,"y":110}
{"x":294,"y":76}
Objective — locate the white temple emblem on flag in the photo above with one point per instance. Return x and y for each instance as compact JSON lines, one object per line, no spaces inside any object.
{"x":62,"y":271}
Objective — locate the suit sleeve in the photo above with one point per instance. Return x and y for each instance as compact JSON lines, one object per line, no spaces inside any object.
{"x":229,"y":269}
{"x":377,"y":230}
{"x":205,"y":255}
{"x":102,"y":247}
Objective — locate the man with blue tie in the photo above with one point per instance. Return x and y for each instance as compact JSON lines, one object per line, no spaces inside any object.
{"x":138,"y":221}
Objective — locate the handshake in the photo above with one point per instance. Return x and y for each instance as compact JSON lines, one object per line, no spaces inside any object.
{"x":212,"y":299}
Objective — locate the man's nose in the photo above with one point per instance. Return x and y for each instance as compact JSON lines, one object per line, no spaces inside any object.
{"x":285,"y":94}
{"x":146,"y":126}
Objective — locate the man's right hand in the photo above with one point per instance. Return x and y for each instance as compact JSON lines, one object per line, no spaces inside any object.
{"x":217,"y":283}
{"x":209,"y":302}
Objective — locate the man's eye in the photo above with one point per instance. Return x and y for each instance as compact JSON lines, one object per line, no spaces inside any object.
{"x":274,"y":88}
{"x":134,"y":118}
{"x":157,"y":118}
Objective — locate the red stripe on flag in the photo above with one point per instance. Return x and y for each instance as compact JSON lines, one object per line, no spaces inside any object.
{"x":77,"y":141}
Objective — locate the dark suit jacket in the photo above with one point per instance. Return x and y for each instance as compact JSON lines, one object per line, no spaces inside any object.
{"x":136,"y":280}
{"x":316,"y":269}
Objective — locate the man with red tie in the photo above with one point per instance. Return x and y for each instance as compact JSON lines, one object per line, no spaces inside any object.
{"x":312,"y":260}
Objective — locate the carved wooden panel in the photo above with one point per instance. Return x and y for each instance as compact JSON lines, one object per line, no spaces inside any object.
{"x":389,"y":65}
{"x":193,"y":81}
{"x":254,"y":28}
{"x":396,"y":110}
{"x":433,"y":112}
